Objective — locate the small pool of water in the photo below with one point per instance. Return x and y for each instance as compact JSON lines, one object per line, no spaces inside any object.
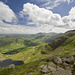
{"x":8,"y":62}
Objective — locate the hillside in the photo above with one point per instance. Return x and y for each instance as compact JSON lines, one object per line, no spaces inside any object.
{"x":13,"y":44}
{"x":10,"y":43}
{"x":54,"y":58}
{"x":65,"y":44}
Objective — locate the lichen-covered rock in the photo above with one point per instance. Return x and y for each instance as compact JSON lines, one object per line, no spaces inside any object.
{"x":29,"y":73}
{"x":69,"y":59}
{"x":45,"y":70}
{"x":59,"y":68}
{"x":57,"y":60}
{"x":12,"y":66}
{"x":62,"y":72}
{"x":51,"y":66}
{"x":41,"y":66}
{"x":48,"y":74}
{"x":69,"y":68}
{"x":65,"y":64}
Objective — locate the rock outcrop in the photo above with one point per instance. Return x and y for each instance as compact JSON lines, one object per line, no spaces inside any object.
{"x":42,"y":52}
{"x":57,"y":60}
{"x":59,"y":66}
{"x":12,"y":66}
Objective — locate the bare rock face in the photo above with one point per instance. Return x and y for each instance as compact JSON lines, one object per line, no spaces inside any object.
{"x":57,"y":60}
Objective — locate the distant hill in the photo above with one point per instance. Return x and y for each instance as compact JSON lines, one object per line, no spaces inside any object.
{"x":14,"y":43}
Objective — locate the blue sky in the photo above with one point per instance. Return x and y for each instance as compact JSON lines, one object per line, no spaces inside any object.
{"x":17,"y":5}
{"x":25,"y":20}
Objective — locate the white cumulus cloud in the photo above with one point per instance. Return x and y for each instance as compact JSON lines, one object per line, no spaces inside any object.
{"x":6,"y":13}
{"x":41,"y":16}
{"x":46,"y":20}
{"x":70,"y":19}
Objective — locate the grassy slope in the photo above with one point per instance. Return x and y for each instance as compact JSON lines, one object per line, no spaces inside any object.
{"x":12,"y":42}
{"x":66,"y":46}
{"x":27,"y":53}
{"x":31,"y":55}
{"x":31,"y":61}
